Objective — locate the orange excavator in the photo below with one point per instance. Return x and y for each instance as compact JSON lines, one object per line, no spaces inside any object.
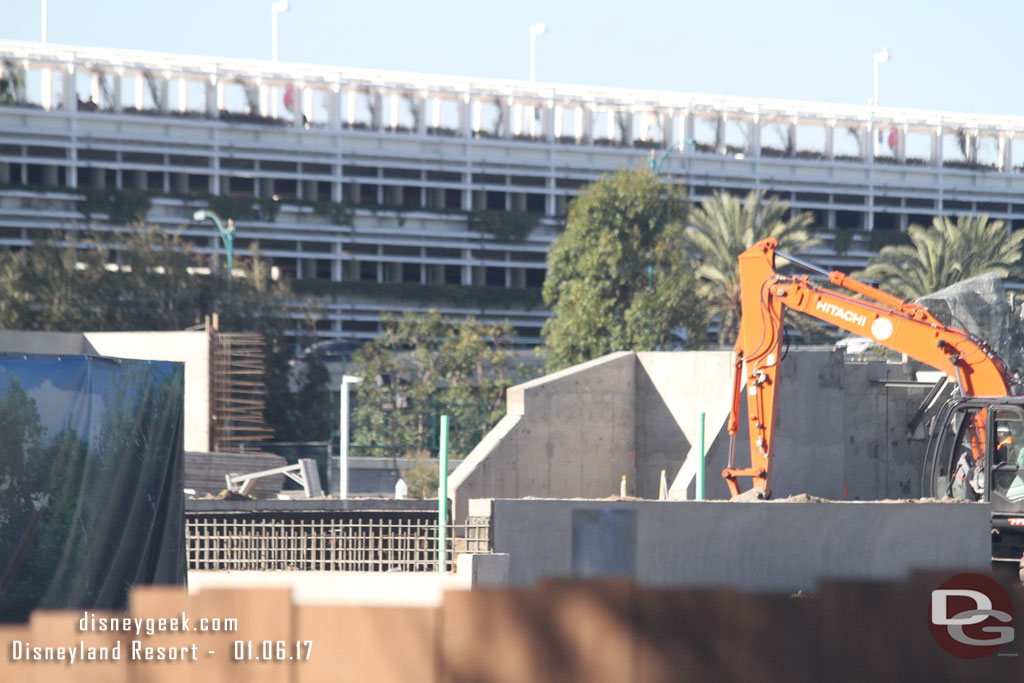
{"x":976,"y":440}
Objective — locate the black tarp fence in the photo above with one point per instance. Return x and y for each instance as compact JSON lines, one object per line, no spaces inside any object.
{"x":91,"y":481}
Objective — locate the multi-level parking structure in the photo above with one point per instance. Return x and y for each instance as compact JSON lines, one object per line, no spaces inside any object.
{"x":377,"y":183}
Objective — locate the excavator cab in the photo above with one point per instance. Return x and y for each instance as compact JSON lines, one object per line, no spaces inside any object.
{"x":976,"y":453}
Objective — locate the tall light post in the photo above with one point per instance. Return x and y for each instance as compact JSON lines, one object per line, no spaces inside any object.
{"x":275,"y":10}
{"x":535,"y":30}
{"x":227,"y":235}
{"x":880,"y":57}
{"x":346,"y":382}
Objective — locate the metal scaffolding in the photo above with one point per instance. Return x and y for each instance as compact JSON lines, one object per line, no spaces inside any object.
{"x":237,"y":390}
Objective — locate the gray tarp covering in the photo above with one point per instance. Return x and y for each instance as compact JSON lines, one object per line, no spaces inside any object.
{"x":981,"y":306}
{"x":91,"y":478}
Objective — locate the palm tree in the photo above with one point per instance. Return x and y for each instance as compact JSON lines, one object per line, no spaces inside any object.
{"x":723,"y":227}
{"x":944,"y":254}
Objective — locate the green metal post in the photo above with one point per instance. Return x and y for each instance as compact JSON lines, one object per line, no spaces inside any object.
{"x":442,"y":498}
{"x":700,"y":462}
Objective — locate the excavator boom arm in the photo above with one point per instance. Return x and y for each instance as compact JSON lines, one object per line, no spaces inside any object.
{"x":905,"y":327}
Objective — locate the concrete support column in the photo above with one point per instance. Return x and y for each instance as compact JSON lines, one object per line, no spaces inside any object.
{"x":506,"y":118}
{"x":215,"y":175}
{"x":901,"y":144}
{"x":116,"y":91}
{"x":668,"y":133}
{"x":972,"y":146}
{"x":936,"y":159}
{"x":465,"y":124}
{"x":548,"y":121}
{"x":337,"y":192}
{"x":559,"y":115}
{"x":830,"y":140}
{"x":69,"y":97}
{"x":421,"y":118}
{"x":377,"y":120}
{"x":182,"y":95}
{"x":221,"y":100}
{"x":1005,"y":152}
{"x":337,"y":269}
{"x":164,"y":105}
{"x":212,"y":110}
{"x":688,"y":128}
{"x":71,"y":174}
{"x":722,"y":122}
{"x":753,"y":140}
{"x":5,"y":173}
{"x":610,"y":132}
{"x":99,"y":178}
{"x":334,"y":109}
{"x":867,"y":142}
{"x":584,"y":125}
{"x":793,"y":142}
{"x":550,"y":208}
{"x":298,"y":94}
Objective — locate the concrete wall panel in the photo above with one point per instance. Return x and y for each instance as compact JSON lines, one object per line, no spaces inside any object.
{"x":570,"y":434}
{"x":763,"y":546}
{"x":190,"y":348}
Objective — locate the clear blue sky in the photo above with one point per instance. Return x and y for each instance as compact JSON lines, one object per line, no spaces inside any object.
{"x":955,"y":56}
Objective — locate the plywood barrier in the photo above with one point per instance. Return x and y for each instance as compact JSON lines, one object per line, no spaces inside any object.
{"x":557,"y":631}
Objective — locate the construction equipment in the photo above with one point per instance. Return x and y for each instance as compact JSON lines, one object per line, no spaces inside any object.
{"x":976,"y":442}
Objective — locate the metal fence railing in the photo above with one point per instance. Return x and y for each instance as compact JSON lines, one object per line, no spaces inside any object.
{"x":324,"y":543}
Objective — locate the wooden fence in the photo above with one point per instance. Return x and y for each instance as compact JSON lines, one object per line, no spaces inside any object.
{"x":558,"y":631}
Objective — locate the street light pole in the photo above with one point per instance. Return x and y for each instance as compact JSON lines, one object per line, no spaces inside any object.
{"x":227,"y":235}
{"x":275,"y":10}
{"x":346,"y":381}
{"x":879,"y":58}
{"x":657,"y":161}
{"x":535,"y":30}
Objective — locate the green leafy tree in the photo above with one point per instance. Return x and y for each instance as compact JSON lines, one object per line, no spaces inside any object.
{"x":724,"y":226}
{"x":423,"y":366}
{"x":618,"y":277}
{"x":944,"y":254}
